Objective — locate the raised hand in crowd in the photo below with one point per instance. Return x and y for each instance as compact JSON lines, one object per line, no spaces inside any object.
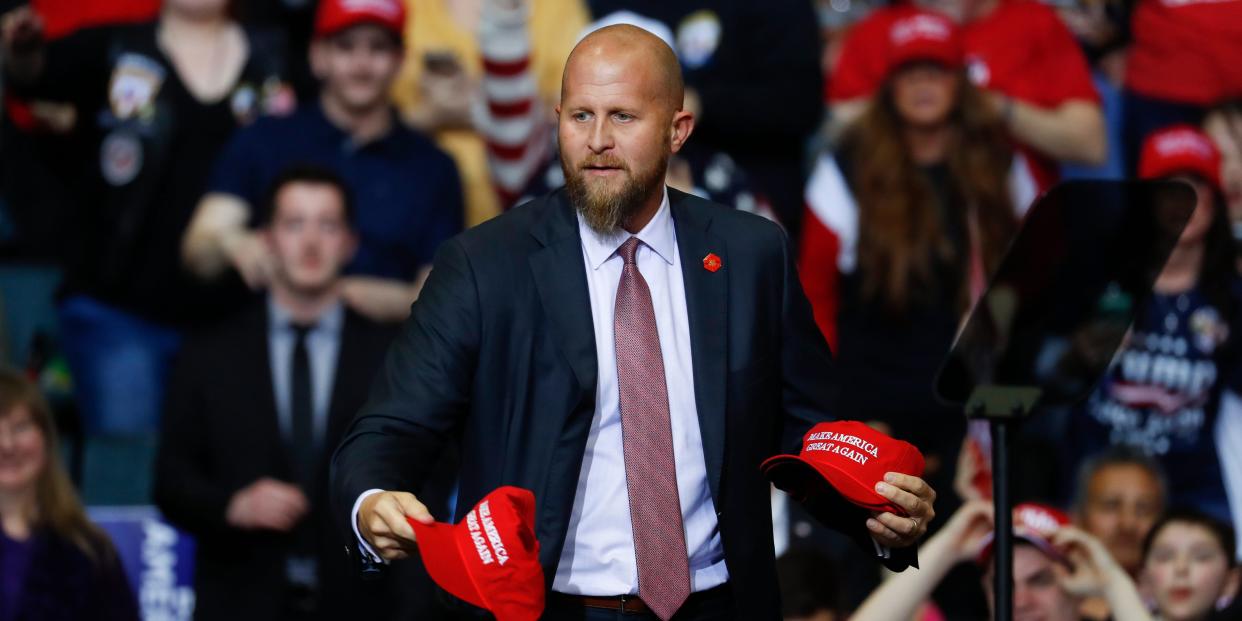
{"x":972,"y":467}
{"x":1224,"y":125}
{"x":967,"y":530}
{"x":250,"y":255}
{"x":448,"y":94}
{"x":21,"y":31}
{"x":1094,"y":573}
{"x":960,"y":540}
{"x":267,"y":504}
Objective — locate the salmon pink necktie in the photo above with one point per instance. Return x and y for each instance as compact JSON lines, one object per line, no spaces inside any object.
{"x":650,"y":472}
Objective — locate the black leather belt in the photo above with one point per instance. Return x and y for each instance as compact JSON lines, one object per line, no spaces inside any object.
{"x":624,"y":604}
{"x":629,"y":604}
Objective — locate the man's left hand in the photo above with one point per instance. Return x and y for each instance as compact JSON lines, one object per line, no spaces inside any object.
{"x":913,"y":495}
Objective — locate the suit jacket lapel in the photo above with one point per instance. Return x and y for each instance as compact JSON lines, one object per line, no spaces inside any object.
{"x":347,"y":363}
{"x":560,"y":277}
{"x":707,"y":306}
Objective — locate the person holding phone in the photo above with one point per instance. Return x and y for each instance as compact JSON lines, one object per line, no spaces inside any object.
{"x":439,"y":88}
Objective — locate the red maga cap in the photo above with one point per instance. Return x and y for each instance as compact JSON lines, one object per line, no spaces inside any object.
{"x":925,"y":35}
{"x":337,"y":15}
{"x":1180,"y":149}
{"x":1035,"y":524}
{"x":852,"y":458}
{"x":490,"y":559}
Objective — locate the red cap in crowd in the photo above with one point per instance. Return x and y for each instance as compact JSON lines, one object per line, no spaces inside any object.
{"x":1180,"y":149}
{"x":925,"y":36}
{"x":1035,"y":524}
{"x":337,"y":15}
{"x":851,"y":457}
{"x":490,"y":559}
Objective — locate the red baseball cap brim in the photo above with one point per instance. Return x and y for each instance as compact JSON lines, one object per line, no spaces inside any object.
{"x":942,"y":53}
{"x":1173,"y":166}
{"x":328,"y":29}
{"x":1177,"y":150}
{"x":442,"y":556}
{"x":1021,"y":534}
{"x":788,"y":473}
{"x":335,"y":16}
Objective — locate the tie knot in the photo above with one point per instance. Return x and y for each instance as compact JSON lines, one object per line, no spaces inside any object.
{"x":629,"y":250}
{"x":300,"y":330}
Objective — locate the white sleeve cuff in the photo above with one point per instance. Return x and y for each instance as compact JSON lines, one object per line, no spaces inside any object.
{"x":353,"y":520}
{"x":881,"y":551}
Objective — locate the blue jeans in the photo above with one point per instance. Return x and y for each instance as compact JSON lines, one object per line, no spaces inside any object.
{"x":119,"y":364}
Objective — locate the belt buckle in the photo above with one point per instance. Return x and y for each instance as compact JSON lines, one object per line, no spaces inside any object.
{"x":623,"y":599}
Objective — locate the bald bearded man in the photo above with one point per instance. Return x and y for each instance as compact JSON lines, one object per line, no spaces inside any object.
{"x":627,"y":352}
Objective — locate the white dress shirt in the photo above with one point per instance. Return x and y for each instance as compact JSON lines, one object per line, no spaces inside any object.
{"x":598,"y":557}
{"x":323,"y":344}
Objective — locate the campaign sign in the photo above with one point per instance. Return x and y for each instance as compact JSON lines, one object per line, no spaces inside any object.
{"x":158,"y":560}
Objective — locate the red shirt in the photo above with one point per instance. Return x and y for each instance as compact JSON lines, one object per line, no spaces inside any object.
{"x":860,"y":67}
{"x":64,"y":16}
{"x":1020,"y":49}
{"x":1187,"y":51}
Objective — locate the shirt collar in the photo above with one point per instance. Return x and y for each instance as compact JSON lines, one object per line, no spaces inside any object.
{"x":657,"y":235}
{"x":325,"y":125}
{"x":330,"y":322}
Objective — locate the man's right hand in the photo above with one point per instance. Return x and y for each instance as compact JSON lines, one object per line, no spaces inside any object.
{"x":381,"y":520}
{"x":267,"y":504}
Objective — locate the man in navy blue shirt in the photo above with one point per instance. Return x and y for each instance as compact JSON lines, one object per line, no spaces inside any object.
{"x":407,"y":191}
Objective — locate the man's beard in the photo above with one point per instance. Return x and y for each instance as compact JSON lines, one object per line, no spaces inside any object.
{"x":605,"y":210}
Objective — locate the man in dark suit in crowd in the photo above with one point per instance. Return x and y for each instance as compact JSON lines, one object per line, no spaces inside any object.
{"x":254,"y":409}
{"x":628,"y":353}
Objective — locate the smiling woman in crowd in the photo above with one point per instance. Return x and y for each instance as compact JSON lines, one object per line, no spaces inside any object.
{"x":54,"y":564}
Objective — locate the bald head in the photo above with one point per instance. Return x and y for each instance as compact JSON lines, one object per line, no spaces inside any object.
{"x":618,"y":122}
{"x":629,"y":51}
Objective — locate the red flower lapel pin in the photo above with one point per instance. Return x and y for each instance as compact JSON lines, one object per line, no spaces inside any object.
{"x":711,"y":262}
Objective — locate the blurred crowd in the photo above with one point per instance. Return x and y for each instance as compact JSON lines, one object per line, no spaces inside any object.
{"x":214,"y":214}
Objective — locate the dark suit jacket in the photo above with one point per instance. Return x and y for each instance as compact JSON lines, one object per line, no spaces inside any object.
{"x":221,"y":433}
{"x":499,"y":354}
